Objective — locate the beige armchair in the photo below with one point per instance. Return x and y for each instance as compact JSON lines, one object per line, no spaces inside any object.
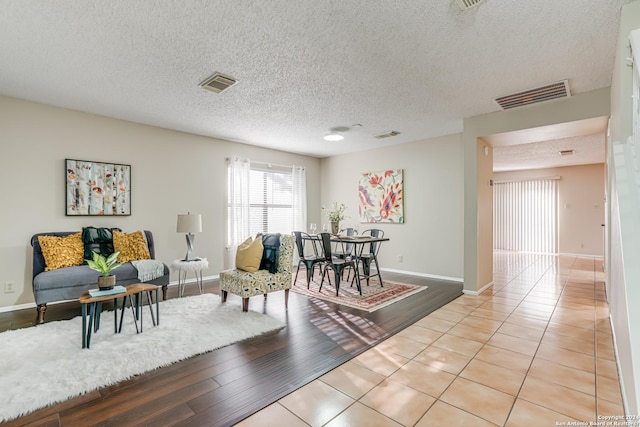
{"x":261,"y":282}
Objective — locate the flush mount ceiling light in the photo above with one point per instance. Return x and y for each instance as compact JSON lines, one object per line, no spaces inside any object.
{"x":333,"y":136}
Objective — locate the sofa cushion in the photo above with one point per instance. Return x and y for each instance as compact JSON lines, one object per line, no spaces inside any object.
{"x":80,"y":275}
{"x":62,"y":252}
{"x":132,"y":246}
{"x":249,"y":255}
{"x":99,"y":240}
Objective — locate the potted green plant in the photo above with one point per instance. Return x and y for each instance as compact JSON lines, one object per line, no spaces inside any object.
{"x":335,"y":214}
{"x":105,"y":266}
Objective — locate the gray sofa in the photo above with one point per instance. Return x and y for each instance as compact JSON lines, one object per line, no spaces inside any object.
{"x":69,"y":283}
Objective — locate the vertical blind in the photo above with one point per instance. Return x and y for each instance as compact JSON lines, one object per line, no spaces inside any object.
{"x":525,"y":216}
{"x":270,"y":200}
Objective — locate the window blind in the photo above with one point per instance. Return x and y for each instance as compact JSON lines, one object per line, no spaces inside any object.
{"x":270,"y":200}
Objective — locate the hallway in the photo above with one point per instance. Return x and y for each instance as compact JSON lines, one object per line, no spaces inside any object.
{"x":536,"y":347}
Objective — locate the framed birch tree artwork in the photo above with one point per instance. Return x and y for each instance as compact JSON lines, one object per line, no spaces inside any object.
{"x":96,"y":188}
{"x":381,"y":196}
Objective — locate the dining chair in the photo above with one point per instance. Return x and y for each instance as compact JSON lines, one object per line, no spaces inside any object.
{"x":337,"y":265}
{"x":370,"y":256}
{"x":343,"y":251}
{"x":307,"y":244}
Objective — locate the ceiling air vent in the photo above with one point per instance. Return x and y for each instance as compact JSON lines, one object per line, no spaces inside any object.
{"x":218,"y":82}
{"x":468,"y":4}
{"x":566,"y":152}
{"x":533,"y":96}
{"x":386,"y":134}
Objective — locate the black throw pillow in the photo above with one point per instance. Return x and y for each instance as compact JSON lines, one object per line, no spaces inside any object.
{"x":271,"y":252}
{"x":97,"y":239}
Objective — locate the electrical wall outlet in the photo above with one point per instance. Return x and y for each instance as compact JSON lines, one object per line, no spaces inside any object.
{"x":399,"y":258}
{"x":9,"y":287}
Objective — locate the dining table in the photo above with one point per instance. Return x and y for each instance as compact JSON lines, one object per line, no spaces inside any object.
{"x":360,"y":243}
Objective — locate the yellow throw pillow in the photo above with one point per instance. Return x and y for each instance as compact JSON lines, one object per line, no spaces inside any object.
{"x":132,"y":246}
{"x":62,"y":251}
{"x":249,"y":255}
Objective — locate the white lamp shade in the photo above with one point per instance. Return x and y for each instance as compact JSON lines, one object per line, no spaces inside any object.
{"x":189,"y":223}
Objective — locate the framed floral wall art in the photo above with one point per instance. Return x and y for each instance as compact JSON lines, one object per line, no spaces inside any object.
{"x":381,"y":196}
{"x":95,"y":188}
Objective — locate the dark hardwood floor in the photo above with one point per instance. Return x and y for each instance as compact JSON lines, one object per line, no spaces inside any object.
{"x":224,"y":386}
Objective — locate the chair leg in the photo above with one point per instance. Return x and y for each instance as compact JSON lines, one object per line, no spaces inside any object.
{"x":297,"y":271}
{"x":337,"y":274}
{"x":286,"y":298}
{"x":245,"y":304}
{"x":224,"y":296}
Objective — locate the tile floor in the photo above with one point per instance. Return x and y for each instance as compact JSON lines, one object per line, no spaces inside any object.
{"x":536,"y":349}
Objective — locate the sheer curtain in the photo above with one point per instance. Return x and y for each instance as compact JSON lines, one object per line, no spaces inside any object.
{"x":299,"y":201}
{"x":238,"y":205}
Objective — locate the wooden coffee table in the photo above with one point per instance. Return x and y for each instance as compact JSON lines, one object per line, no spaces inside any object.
{"x":95,"y":307}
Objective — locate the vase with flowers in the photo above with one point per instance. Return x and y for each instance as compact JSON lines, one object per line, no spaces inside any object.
{"x":335,"y":214}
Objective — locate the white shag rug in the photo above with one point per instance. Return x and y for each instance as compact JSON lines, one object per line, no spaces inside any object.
{"x":46,"y":364}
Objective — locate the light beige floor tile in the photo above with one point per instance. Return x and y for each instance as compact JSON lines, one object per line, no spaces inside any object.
{"x":531,"y":312}
{"x":516,"y":344}
{"x":352,"y":379}
{"x":500,"y":308}
{"x":480,"y":400}
{"x":525,"y":332}
{"x":568,"y":331}
{"x":607,"y":368}
{"x":445,"y":314}
{"x":442,"y":414}
{"x":525,"y":414}
{"x":426,"y":379}
{"x":460,"y":308}
{"x":481,"y":322}
{"x":433,"y":323}
{"x":359,"y":415}
{"x":609,"y":408}
{"x":569,"y":343}
{"x":402,"y":346}
{"x":380,"y":362}
{"x":471,"y":333}
{"x":443,"y":359}
{"x":398,"y":402}
{"x":575,"y":379}
{"x":420,"y":334}
{"x":605,"y":350}
{"x":493,"y":376}
{"x":274,"y":415}
{"x":316,"y":403}
{"x":457,"y":344}
{"x":490,"y":314}
{"x":505,"y":358}
{"x":567,"y":357}
{"x":527,"y":321}
{"x":609,"y":389}
{"x":559,"y":399}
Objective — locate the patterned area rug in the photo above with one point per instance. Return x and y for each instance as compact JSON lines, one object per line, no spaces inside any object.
{"x":373,"y":298}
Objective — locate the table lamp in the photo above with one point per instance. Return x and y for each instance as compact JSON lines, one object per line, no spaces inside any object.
{"x":189,"y":224}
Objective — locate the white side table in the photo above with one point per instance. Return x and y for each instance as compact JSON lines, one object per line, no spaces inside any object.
{"x":184,"y":267}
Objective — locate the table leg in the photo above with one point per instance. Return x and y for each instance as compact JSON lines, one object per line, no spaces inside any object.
{"x":157,"y":308}
{"x":92,"y":312}
{"x":133,"y":312}
{"x":84,"y":325}
{"x":199,"y":279}
{"x":124,"y":306}
{"x":115,"y":315}
{"x":150,"y":304}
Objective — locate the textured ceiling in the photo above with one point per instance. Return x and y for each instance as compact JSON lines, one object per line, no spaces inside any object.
{"x":304,"y":67}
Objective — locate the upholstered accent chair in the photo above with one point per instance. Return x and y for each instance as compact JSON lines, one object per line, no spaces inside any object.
{"x":261,"y":282}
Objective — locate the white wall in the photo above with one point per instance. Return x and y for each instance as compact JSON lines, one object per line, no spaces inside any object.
{"x":172,"y":172}
{"x":580,"y":205}
{"x":623,"y":234}
{"x":431,"y":239}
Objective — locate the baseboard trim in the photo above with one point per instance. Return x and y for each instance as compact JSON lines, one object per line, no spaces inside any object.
{"x":581,"y":255}
{"x":430,"y":276}
{"x":478,"y":292}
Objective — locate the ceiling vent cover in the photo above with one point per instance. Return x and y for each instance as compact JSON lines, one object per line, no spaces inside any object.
{"x":218,"y":82}
{"x":386,"y":134}
{"x":566,"y":152}
{"x":533,"y":96}
{"x":468,"y":4}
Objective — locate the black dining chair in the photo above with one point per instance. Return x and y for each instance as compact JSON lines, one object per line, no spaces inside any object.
{"x":337,"y":265}
{"x":369,"y":256}
{"x":307,"y":255}
{"x":343,"y":251}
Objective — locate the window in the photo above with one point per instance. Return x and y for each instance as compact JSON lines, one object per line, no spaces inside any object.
{"x":270,"y":199}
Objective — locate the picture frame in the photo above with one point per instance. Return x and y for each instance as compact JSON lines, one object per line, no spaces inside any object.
{"x":381,"y":196}
{"x":97,"y":188}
